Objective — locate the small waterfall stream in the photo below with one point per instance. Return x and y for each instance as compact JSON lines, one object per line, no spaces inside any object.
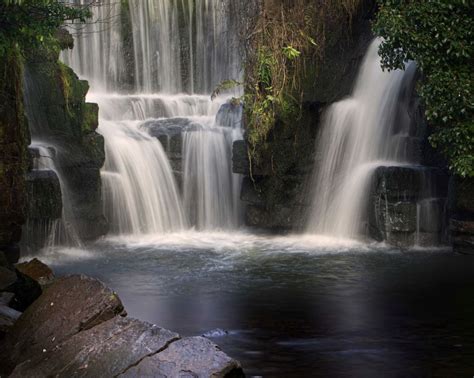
{"x":359,"y":134}
{"x":168,"y":158}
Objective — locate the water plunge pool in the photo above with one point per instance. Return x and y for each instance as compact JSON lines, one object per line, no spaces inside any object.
{"x":296,"y":306}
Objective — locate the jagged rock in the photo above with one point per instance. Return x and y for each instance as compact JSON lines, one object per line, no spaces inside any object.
{"x":188,"y":357}
{"x":68,"y":306}
{"x":36,"y":270}
{"x":106,"y":350}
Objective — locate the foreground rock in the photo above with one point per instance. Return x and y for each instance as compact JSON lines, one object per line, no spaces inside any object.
{"x":69,"y":306}
{"x":36,"y":270}
{"x":194,"y":354}
{"x":77,"y":328}
{"x":106,"y":350}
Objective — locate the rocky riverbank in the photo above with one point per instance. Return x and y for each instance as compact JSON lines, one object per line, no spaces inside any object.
{"x":78,"y":327}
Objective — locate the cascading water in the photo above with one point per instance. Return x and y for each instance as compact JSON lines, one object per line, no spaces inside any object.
{"x":60,"y":231}
{"x":170,"y":47}
{"x":359,"y":134}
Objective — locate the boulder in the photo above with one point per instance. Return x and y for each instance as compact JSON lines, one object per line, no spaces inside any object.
{"x":36,"y":270}
{"x":106,"y":350}
{"x":70,"y":305}
{"x":188,"y":357}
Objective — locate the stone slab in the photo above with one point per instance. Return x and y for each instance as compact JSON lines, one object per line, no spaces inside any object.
{"x":106,"y":350}
{"x":188,"y":357}
{"x":70,"y":305}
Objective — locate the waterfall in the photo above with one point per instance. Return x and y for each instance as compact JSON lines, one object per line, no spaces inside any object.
{"x":152,"y":65}
{"x":359,"y":134}
{"x":51,"y":233}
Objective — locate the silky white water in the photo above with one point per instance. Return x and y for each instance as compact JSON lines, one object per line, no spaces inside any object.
{"x":158,"y":61}
{"x":61,"y":231}
{"x":359,"y":134}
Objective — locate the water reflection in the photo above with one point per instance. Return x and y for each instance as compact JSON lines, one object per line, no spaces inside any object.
{"x":295,"y":307}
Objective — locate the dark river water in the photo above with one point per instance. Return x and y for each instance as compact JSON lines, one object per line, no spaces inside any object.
{"x":297,"y":306}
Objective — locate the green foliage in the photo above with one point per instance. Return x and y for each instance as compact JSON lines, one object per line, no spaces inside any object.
{"x":438,"y":35}
{"x":286,"y":37}
{"x":32,"y":23}
{"x":224,"y":86}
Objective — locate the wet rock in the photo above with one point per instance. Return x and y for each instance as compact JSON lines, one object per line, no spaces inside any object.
{"x":70,"y":305}
{"x":249,"y":193}
{"x":240,"y":158}
{"x":230,"y":115}
{"x":62,"y":118}
{"x":36,"y":270}
{"x":169,"y":132}
{"x":279,"y":218}
{"x":188,"y":357}
{"x":106,"y":350}
{"x":407,"y":205}
{"x":44,"y":195}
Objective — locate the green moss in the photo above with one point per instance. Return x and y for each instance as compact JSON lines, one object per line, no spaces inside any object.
{"x":91,"y":118}
{"x":287,"y":37}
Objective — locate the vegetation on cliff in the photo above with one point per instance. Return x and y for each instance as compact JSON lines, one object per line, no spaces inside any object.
{"x":439,"y":36}
{"x":32,"y":23}
{"x":285,"y":38}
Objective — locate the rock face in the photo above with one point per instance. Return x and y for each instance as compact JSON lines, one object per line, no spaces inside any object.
{"x":60,"y":119}
{"x":44,"y":208}
{"x":14,"y":139}
{"x":281,"y":175}
{"x":408,"y":205}
{"x":77,"y":328}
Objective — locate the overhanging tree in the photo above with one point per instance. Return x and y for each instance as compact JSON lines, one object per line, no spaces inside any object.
{"x":439,"y":36}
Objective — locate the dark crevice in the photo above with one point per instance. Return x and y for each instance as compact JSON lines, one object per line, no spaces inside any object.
{"x":168,"y":343}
